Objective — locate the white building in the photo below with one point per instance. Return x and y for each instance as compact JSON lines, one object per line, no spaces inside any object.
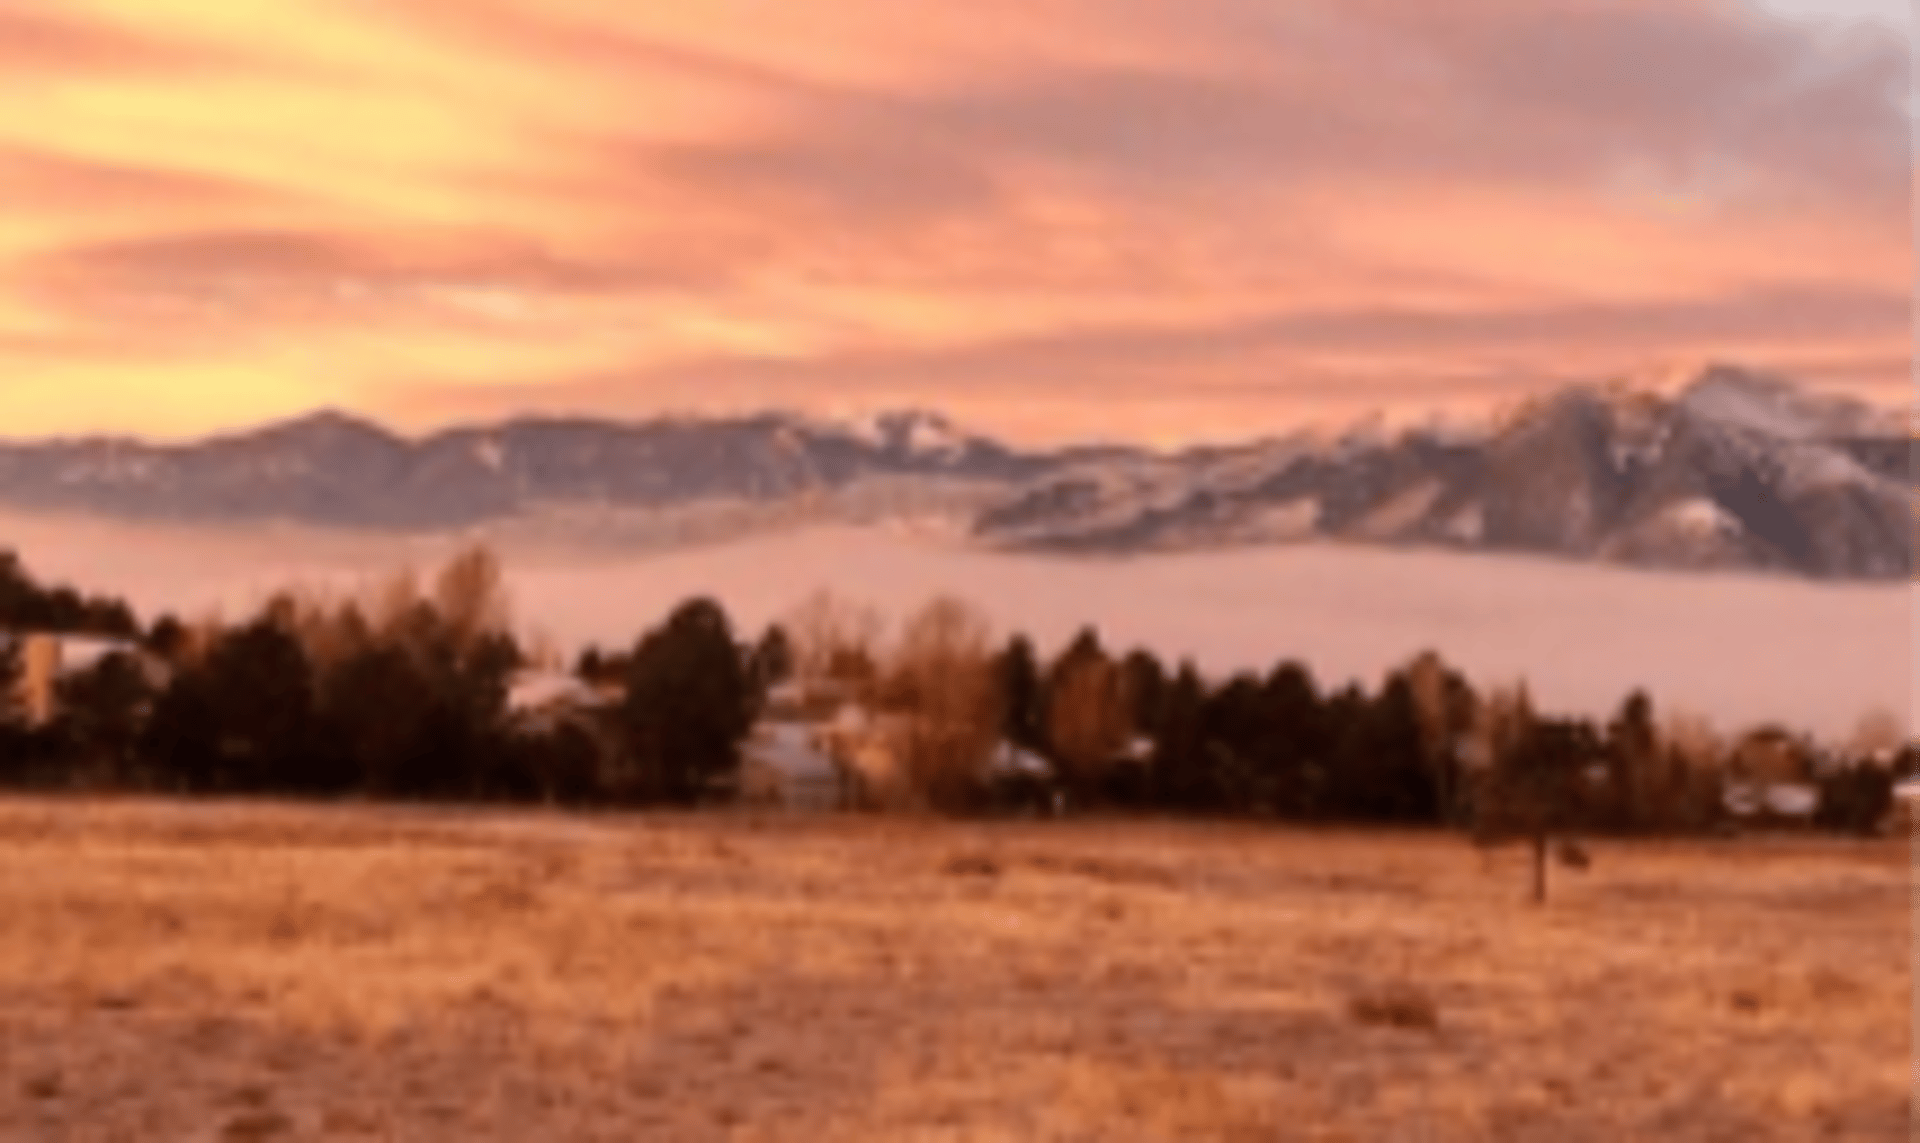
{"x":785,"y":763}
{"x":821,"y":747}
{"x":538,"y":699}
{"x":1012,"y":761}
{"x":1777,"y":801}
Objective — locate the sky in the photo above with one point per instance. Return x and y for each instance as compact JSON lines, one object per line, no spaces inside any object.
{"x":1053,"y":219}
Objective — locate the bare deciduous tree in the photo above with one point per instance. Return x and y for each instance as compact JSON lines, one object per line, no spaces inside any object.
{"x":471,"y":596}
{"x":1088,"y":716}
{"x":543,"y":651}
{"x":1878,"y":731}
{"x":835,"y":642}
{"x":1446,"y":711}
{"x":393,"y":602}
{"x":1498,"y":723}
{"x":201,"y":636}
{"x":328,"y":630}
{"x":1691,"y":740}
{"x":941,"y":679}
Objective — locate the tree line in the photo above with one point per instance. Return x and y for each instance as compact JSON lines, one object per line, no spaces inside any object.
{"x":27,"y":604}
{"x":404,"y":693}
{"x":401,"y":693}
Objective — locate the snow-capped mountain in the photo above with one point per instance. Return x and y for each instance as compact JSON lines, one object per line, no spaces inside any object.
{"x":332,"y":469}
{"x":1737,"y":470}
{"x":1734,"y":470}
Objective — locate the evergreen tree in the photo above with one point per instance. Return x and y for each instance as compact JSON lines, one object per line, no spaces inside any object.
{"x":1180,"y":770}
{"x":11,"y":669}
{"x":687,"y":704}
{"x":182,"y":738}
{"x":1085,"y":645}
{"x":1342,"y":718}
{"x":261,"y":687}
{"x":476,"y":734}
{"x":1634,"y":764}
{"x":1299,"y":746}
{"x":380,"y":717}
{"x":1146,"y":684}
{"x":1240,"y":748}
{"x":1021,"y":710}
{"x":1379,"y":770}
{"x":104,"y":705}
{"x":773,"y":656}
{"x":1855,"y":798}
{"x":15,"y":738}
{"x":167,"y":637}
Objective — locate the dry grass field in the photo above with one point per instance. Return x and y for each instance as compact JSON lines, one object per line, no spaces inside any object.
{"x":268,"y":972}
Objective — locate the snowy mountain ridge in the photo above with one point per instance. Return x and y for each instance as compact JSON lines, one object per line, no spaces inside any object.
{"x":1731,"y":469}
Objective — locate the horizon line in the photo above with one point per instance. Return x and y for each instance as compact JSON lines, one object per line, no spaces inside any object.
{"x":1665,"y":381}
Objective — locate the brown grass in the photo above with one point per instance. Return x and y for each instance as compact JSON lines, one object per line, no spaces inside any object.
{"x":252,"y":971}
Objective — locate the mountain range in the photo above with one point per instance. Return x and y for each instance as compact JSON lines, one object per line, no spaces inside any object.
{"x":1733,"y":470}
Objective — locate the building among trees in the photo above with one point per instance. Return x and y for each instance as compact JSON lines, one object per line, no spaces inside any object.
{"x":46,"y":660}
{"x":1771,"y":778}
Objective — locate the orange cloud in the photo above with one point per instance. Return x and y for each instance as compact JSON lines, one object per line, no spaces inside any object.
{"x":53,"y":182}
{"x":48,"y":43}
{"x":1058,"y":218}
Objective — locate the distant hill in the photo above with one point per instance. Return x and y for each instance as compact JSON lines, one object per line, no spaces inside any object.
{"x":1737,"y":470}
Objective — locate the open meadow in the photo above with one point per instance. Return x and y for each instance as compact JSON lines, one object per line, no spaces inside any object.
{"x":257,"y":971}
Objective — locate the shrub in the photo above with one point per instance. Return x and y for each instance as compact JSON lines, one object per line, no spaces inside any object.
{"x":1396,"y":1006}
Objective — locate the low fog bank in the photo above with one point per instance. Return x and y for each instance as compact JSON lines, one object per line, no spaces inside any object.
{"x":1739,"y":649}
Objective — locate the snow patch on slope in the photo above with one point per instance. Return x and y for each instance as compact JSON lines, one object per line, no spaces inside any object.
{"x":927,"y":435}
{"x":1289,"y":520}
{"x":1469,"y":525}
{"x":488,"y":452}
{"x":1808,"y":468}
{"x":1777,"y":408}
{"x":1398,"y":513}
{"x":1701,"y":516}
{"x":1244,"y":468}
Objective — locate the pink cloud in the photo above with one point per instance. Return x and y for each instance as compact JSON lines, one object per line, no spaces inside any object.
{"x":1115,"y":199}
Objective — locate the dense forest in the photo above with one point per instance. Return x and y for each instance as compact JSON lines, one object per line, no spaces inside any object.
{"x":405,"y":693}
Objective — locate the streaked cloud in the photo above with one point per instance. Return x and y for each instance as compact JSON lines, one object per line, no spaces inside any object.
{"x":1178,"y":217}
{"x":35,"y":42}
